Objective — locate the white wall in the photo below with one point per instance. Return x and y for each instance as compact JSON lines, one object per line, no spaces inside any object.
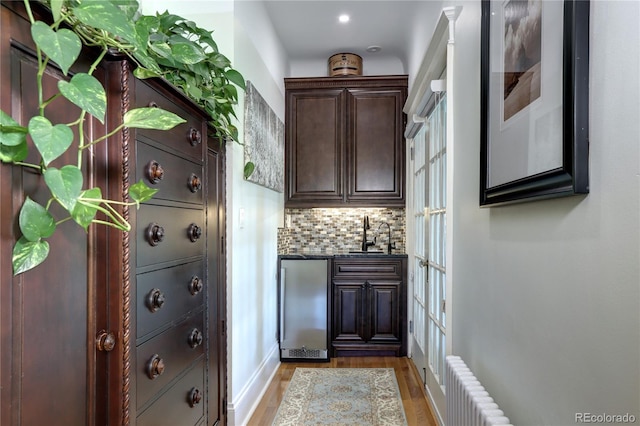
{"x":422,"y":26}
{"x":547,"y":294}
{"x":253,"y":248}
{"x":244,"y":34}
{"x":383,"y":65}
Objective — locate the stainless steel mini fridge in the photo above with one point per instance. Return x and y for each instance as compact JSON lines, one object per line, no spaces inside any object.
{"x":303,"y":309}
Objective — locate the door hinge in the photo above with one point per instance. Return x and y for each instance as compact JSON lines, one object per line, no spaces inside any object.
{"x":410,"y":326}
{"x":411,"y":153}
{"x":223,"y":327}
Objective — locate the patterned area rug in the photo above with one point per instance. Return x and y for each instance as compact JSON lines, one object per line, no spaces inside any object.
{"x":342,"y":396}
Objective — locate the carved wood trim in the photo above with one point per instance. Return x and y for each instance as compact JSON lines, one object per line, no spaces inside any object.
{"x":126,"y":253}
{"x":346,"y":82}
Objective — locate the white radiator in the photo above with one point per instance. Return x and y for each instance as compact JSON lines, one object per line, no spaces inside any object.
{"x":468,"y":403}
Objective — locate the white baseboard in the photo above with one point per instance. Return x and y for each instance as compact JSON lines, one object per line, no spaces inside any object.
{"x":434,"y":407}
{"x":240,"y":410}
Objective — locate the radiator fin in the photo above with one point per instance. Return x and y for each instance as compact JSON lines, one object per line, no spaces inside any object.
{"x":468,"y":402}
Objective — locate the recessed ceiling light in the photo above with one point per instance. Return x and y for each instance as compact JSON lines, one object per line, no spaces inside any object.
{"x":374,"y":49}
{"x":344,"y":18}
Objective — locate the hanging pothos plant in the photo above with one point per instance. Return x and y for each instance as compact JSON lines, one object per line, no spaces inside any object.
{"x":164,"y":46}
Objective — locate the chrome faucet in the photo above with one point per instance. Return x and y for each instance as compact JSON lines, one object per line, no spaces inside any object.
{"x":366,"y":244}
{"x":390,"y":245}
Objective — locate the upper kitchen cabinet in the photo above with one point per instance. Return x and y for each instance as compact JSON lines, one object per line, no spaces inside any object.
{"x":344,"y":143}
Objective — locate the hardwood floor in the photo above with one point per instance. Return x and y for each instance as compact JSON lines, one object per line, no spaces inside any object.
{"x":416,"y":406}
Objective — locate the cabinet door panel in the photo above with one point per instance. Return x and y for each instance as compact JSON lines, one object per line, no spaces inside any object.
{"x":385,"y":310}
{"x":376,"y":148}
{"x":347,"y":305}
{"x":48,"y":314}
{"x":315,"y":155}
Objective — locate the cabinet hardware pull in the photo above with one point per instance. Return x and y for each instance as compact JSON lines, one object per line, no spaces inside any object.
{"x":155,"y":366}
{"x":195,"y":396}
{"x":105,"y":341}
{"x":194,"y":136}
{"x":195,"y":184}
{"x":155,"y":172}
{"x":195,"y":286}
{"x":152,"y":104}
{"x":155,"y":234}
{"x":195,"y":338}
{"x":155,"y":300}
{"x":424,"y":263}
{"x":194,"y":232}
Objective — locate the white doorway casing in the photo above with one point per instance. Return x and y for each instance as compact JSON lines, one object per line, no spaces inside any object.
{"x":438,"y":57}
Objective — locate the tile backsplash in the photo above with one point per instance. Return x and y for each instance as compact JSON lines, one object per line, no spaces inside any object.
{"x":339,"y":229}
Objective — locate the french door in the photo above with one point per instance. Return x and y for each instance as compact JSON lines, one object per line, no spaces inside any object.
{"x":429,"y":218}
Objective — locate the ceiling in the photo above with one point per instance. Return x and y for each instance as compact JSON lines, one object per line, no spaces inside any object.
{"x":309,"y":29}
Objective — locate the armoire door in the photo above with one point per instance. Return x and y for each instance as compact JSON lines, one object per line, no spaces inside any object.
{"x":50,"y":367}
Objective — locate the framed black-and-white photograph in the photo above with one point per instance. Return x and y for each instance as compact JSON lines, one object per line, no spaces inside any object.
{"x":535,"y":100}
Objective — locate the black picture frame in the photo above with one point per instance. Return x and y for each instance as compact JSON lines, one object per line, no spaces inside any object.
{"x":542,"y":149}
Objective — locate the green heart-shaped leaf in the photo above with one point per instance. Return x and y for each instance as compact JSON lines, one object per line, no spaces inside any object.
{"x":85,"y":91}
{"x":56,"y":7}
{"x":35,"y":221}
{"x":187,"y":53}
{"x":139,"y":192}
{"x":106,"y":16}
{"x":86,"y":207}
{"x":28,"y":254}
{"x":51,"y":141}
{"x":143,"y":73}
{"x":11,"y":133}
{"x":16,"y":153}
{"x":235,"y":77}
{"x":248,"y":169}
{"x":62,"y":46}
{"x":151,"y":118}
{"x":65,"y":185}
{"x":161,"y":49}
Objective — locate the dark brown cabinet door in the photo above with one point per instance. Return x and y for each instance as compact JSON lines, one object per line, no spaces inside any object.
{"x":348,"y":308}
{"x":376,"y":149}
{"x":51,"y":370}
{"x":383,"y":316}
{"x":315,"y":154}
{"x":344,"y":143}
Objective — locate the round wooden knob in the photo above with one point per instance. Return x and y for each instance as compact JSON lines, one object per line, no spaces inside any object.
{"x":155,"y":366}
{"x":194,"y":136}
{"x":195,"y":286}
{"x":194,"y":232}
{"x":195,"y":184}
{"x":155,"y":234}
{"x":155,"y":172}
{"x":155,"y":300}
{"x":195,"y":396}
{"x":195,"y":338}
{"x":105,"y":341}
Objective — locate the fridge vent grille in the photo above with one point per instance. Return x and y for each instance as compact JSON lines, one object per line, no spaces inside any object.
{"x":304,"y":353}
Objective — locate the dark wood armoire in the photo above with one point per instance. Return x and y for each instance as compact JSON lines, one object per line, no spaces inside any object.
{"x":114,"y":328}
